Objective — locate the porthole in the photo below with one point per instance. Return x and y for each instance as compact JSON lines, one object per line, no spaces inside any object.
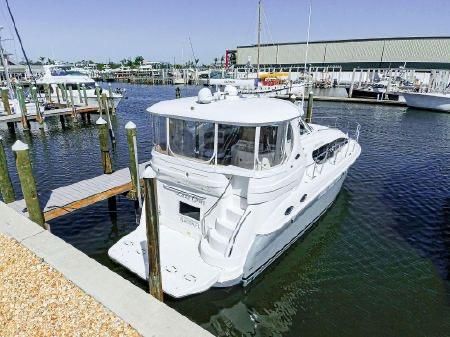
{"x":289,"y":210}
{"x":303,"y":198}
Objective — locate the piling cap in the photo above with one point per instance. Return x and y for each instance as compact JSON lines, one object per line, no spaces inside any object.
{"x":130,"y":125}
{"x":19,"y":146}
{"x":149,"y":173}
{"x":100,"y":121}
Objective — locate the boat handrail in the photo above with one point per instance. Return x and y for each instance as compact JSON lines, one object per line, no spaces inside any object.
{"x":233,"y":236}
{"x":202,"y":220}
{"x":333,"y":151}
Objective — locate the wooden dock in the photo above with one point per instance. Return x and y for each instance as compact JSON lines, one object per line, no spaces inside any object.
{"x":50,"y":113}
{"x":67,"y":199}
{"x":350,"y":100}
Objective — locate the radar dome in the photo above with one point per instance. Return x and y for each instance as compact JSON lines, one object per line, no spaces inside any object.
{"x":204,"y":96}
{"x":231,"y":90}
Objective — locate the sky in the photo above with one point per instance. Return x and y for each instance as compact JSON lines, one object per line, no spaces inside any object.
{"x":159,"y":30}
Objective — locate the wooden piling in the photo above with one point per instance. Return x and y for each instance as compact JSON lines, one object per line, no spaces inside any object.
{"x":135,"y":192}
{"x":72,"y":104}
{"x":23,"y":108}
{"x":99,"y":100}
{"x":5,"y":101}
{"x":309,"y":108}
{"x":6,"y":187}
{"x":84,"y":95}
{"x":111,"y":131}
{"x":48,"y":95}
{"x":111,"y":99}
{"x":152,"y":226}
{"x":104,"y":147}
{"x":57,"y":94}
{"x":27,"y":182}
{"x":34,"y":97}
{"x":350,"y":91}
{"x":80,"y":99}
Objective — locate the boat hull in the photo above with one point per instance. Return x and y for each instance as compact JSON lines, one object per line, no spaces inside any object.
{"x":360,"y":93}
{"x":267,"y":248}
{"x":428,"y":101}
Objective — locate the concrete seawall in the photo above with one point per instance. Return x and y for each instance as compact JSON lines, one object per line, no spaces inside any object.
{"x":144,"y":313}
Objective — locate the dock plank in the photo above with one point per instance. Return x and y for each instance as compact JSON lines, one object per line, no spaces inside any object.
{"x":66,"y":199}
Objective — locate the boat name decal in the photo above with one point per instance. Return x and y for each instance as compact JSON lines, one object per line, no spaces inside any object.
{"x":186,"y":195}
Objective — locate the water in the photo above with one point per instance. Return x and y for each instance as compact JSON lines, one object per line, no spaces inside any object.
{"x":378,"y":263}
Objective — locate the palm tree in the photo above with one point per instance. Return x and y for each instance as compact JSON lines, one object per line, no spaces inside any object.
{"x":221,"y":60}
{"x":215,"y":60}
{"x":41,"y":59}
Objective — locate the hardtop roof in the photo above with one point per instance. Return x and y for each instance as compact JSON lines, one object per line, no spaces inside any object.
{"x":252,"y":111}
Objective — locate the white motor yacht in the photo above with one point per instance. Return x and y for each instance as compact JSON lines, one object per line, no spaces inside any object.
{"x":55,"y":75}
{"x":429,"y":101}
{"x":239,"y":180}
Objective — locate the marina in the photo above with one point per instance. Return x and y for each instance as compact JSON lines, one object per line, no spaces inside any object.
{"x":268,"y":189}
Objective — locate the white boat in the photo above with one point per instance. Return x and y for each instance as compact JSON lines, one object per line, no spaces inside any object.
{"x":251,"y":87}
{"x":65,"y":75}
{"x":429,"y":101}
{"x":239,"y":180}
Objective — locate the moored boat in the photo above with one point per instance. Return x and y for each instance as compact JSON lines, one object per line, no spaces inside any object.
{"x":428,"y":101}
{"x":239,"y":179}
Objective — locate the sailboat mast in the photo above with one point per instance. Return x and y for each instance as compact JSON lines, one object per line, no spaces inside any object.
{"x":5,"y":66}
{"x":259,"y":36}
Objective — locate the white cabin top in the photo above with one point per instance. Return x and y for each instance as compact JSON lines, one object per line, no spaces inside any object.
{"x":233,"y":110}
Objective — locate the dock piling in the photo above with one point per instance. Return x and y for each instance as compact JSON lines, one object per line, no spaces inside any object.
{"x":27,"y":182}
{"x":57,"y":94}
{"x":5,"y":101}
{"x":111,"y":131}
{"x":309,"y":108}
{"x":72,"y":104}
{"x":80,"y":99}
{"x":39,"y":117}
{"x":104,"y":147}
{"x":6,"y":187}
{"x":152,"y":226}
{"x":84,"y":95}
{"x":23,"y":108}
{"x":111,"y":99}
{"x":99,"y":100}
{"x":135,"y":192}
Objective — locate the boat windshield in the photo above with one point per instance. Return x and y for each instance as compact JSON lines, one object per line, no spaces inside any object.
{"x":65,"y":72}
{"x":223,"y":144}
{"x":191,"y":139}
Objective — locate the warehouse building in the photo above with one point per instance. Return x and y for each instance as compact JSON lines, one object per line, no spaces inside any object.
{"x":413,"y":52}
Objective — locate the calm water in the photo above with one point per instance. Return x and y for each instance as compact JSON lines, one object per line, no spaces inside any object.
{"x":377,"y":264}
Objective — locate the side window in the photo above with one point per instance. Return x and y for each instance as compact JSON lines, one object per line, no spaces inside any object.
{"x":326,"y":151}
{"x":271,"y":151}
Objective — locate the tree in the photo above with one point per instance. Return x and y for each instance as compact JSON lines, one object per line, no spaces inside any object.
{"x":221,"y":60}
{"x":138,"y":60}
{"x":100,"y":66}
{"x":215,"y":60}
{"x":41,"y":59}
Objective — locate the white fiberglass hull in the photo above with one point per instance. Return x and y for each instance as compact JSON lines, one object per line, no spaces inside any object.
{"x":267,"y":248}
{"x":179,"y":279}
{"x":429,"y":101}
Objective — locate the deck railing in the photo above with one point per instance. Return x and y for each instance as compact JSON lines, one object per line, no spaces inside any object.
{"x":352,"y":130}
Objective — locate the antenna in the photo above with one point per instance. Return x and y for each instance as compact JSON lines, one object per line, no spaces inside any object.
{"x":193,"y":54}
{"x":5,"y":66}
{"x":306,"y":51}
{"x":259,"y":37}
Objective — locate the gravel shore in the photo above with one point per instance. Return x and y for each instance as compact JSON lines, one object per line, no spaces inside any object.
{"x":36,"y":300}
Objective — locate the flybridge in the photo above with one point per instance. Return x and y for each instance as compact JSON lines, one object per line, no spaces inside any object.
{"x":228,"y":108}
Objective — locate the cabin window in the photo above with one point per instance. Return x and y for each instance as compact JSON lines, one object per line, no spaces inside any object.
{"x":327,"y":151}
{"x":236,"y":146}
{"x":190,"y":211}
{"x":160,"y":134}
{"x":192,"y":139}
{"x":271,"y":151}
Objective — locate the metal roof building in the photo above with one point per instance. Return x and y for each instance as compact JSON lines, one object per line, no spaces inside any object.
{"x":416,"y":52}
